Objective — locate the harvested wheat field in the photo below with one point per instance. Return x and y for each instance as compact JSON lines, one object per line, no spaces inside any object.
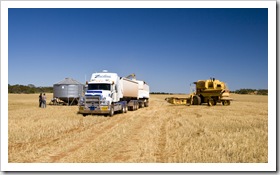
{"x":161,"y":132}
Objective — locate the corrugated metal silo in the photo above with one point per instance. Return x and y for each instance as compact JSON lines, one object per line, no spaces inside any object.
{"x":68,"y":90}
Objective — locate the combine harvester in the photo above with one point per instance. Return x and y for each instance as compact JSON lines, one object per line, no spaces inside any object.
{"x":207,"y":91}
{"x":108,"y":93}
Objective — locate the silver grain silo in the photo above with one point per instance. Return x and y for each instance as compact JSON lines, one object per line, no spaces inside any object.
{"x":68,"y":91}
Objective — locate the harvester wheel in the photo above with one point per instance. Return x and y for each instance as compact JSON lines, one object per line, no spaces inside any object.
{"x":210,"y":102}
{"x":215,"y":102}
{"x":196,"y":100}
{"x":226,"y":102}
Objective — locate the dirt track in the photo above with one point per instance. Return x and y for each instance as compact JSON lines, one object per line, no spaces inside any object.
{"x":159,"y":133}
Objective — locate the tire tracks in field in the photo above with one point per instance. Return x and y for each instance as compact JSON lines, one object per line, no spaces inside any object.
{"x":162,"y":154}
{"x":97,"y":132}
{"x":48,"y":141}
{"x":131,"y":136}
{"x":161,"y":147}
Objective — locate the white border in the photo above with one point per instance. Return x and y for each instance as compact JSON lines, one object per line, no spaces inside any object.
{"x":270,"y":166}
{"x":138,"y":4}
{"x":139,"y":167}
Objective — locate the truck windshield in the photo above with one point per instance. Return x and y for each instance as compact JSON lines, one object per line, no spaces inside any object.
{"x":99,"y":87}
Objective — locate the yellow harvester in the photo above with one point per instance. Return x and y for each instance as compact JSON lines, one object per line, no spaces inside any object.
{"x":210,"y":91}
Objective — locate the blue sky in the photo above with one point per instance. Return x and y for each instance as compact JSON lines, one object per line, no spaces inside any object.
{"x":169,"y":48}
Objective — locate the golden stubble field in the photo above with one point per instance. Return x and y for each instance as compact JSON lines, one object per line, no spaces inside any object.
{"x":160,"y":133}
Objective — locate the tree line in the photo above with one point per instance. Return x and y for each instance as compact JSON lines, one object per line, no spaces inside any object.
{"x":239,"y":91}
{"x":161,"y":93}
{"x":29,"y":89}
{"x":251,"y":91}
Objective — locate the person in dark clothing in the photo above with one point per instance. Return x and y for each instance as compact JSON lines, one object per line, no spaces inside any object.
{"x":40,"y":100}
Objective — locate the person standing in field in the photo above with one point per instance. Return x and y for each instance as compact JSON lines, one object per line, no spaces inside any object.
{"x":40,"y":100}
{"x":44,"y":99}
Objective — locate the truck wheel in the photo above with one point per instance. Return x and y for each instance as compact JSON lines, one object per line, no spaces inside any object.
{"x":111,"y":111}
{"x":84,"y":115}
{"x":210,"y":102}
{"x":196,"y":100}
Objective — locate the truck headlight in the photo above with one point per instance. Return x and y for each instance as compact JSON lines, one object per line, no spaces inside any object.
{"x":103,"y":101}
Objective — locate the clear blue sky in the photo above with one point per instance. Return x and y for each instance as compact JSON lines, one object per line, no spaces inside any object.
{"x":168,"y":48}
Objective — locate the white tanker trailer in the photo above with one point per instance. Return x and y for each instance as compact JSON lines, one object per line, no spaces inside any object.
{"x":108,"y":93}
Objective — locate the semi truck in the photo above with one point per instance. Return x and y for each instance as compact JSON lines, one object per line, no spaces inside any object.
{"x":108,"y":93}
{"x":209,"y":91}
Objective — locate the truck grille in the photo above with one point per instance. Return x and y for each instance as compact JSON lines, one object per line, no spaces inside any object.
{"x":92,"y":101}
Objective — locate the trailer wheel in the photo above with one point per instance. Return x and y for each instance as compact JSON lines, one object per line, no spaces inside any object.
{"x":123,"y":109}
{"x":210,"y":102}
{"x":146,"y":104}
{"x":196,"y":100}
{"x":84,"y":115}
